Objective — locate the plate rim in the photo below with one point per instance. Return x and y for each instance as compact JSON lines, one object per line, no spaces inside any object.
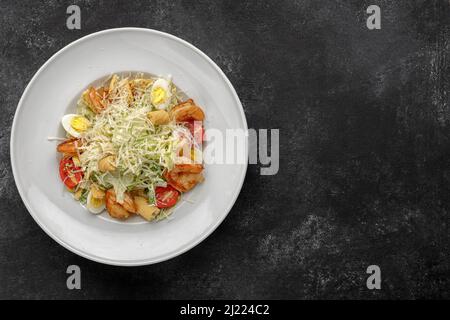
{"x":147,"y":261}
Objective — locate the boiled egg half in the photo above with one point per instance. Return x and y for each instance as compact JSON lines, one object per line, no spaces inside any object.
{"x":75,"y":124}
{"x":94,"y":204}
{"x":160,"y":93}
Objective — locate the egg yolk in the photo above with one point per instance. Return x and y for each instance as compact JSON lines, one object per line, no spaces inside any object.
{"x":96,"y":202}
{"x":158,"y":95}
{"x":79,"y":124}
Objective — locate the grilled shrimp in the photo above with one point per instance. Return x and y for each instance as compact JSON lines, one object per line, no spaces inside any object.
{"x":187,"y":168}
{"x":116,"y":209}
{"x":184,"y":177}
{"x":183,"y":181}
{"x":95,"y":99}
{"x":187,"y":111}
{"x":69,"y":147}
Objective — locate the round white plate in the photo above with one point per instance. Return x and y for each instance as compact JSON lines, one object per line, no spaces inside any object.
{"x":53,"y":92}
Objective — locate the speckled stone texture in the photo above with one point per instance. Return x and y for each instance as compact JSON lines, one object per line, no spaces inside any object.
{"x":364,"y":178}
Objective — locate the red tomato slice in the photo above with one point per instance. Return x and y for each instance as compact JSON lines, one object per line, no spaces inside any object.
{"x":197,"y":131}
{"x":70,"y":174}
{"x":166,"y":197}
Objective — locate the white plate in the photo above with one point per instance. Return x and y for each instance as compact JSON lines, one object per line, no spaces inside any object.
{"x":52,"y":93}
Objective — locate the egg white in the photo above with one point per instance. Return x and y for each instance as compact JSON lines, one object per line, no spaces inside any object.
{"x":94,"y":210}
{"x":66,"y":123}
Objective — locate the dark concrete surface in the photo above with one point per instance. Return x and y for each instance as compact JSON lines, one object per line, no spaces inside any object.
{"x":364,"y":178}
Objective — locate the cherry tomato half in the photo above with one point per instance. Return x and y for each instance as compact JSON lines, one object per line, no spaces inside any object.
{"x":197,"y":131}
{"x":70,"y":174}
{"x":166,"y":197}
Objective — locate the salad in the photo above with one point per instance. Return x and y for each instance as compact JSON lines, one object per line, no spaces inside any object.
{"x":132,"y":147}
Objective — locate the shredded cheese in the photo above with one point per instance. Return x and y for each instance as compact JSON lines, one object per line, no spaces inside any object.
{"x":142,"y":151}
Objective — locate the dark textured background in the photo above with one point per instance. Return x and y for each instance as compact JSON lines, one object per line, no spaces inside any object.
{"x":364,"y":174}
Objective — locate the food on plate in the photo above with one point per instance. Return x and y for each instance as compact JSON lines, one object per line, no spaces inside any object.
{"x":158,"y":117}
{"x":132,"y":148}
{"x":161,"y":94}
{"x":187,"y":111}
